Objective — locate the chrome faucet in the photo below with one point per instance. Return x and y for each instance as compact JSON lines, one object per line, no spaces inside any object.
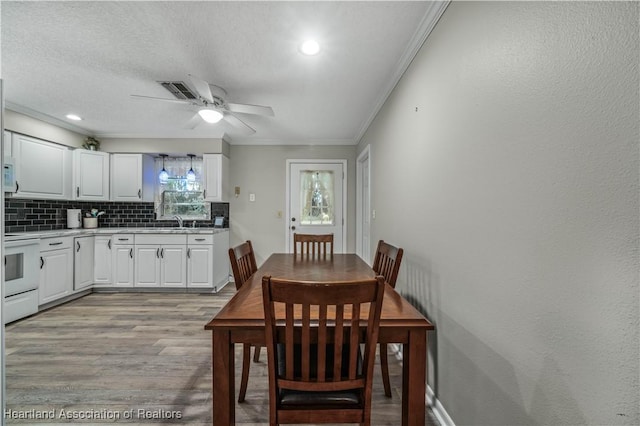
{"x":179,"y":219}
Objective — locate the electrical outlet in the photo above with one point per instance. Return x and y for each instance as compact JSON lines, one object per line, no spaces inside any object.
{"x":252,"y":197}
{"x":279,"y":214}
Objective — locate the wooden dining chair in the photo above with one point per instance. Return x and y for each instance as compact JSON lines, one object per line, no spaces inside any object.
{"x":313,"y":245}
{"x":387,"y":263}
{"x":243,"y":264}
{"x":317,"y":373}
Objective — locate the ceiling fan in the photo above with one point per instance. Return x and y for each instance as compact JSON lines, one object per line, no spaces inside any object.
{"x":210,"y":99}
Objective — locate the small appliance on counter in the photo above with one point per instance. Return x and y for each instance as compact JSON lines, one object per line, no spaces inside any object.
{"x":73,"y":218}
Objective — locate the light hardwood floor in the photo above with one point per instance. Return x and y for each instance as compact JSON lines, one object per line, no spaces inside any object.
{"x":111,"y":354}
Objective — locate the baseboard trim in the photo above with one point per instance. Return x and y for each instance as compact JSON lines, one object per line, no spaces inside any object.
{"x":430,"y":397}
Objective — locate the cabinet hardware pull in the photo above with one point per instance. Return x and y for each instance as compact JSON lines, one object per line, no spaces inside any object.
{"x":131,"y":253}
{"x":158,"y":252}
{"x":41,"y":262}
{"x":139,"y":193}
{"x":17,"y":187}
{"x":78,"y":246}
{"x":77,"y":191}
{"x":199,"y":239}
{"x":204,"y":194}
{"x":123,"y":239}
{"x":188,"y":253}
{"x":55,"y":244}
{"x":162,"y":253}
{"x":109,"y":244}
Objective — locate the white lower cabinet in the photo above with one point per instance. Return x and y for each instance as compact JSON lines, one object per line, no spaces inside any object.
{"x":102,"y":269}
{"x":200,"y":261}
{"x":160,"y":260}
{"x":56,"y":269}
{"x":122,"y":260}
{"x":84,"y":248}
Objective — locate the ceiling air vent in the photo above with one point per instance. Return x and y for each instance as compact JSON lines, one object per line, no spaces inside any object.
{"x":179,"y":89}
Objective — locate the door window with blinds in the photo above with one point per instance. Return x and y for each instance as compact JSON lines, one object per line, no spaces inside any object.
{"x":317,"y":197}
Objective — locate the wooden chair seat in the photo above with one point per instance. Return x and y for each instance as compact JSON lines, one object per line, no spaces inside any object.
{"x":387,"y":263}
{"x":243,"y":265}
{"x":317,"y":371}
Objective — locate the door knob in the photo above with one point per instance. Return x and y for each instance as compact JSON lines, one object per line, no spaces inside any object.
{"x":293,"y":228}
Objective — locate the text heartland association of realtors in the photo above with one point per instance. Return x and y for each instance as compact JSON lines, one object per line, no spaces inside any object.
{"x":62,"y":414}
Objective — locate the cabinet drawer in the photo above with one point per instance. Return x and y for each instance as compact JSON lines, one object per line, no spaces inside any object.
{"x":47,"y":244}
{"x":122,"y":239}
{"x":199,"y":239}
{"x":160,"y":239}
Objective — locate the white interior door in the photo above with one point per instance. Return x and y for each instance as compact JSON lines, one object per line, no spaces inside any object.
{"x":316,"y":193}
{"x":363,"y":205}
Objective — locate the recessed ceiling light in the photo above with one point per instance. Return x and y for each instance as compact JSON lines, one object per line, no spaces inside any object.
{"x":310,"y":47}
{"x":74,"y":117}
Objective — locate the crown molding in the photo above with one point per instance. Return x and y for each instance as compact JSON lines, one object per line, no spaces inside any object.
{"x":46,"y":118}
{"x":428,"y":23}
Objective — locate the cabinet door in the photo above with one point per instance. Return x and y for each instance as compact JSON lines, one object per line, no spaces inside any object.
{"x":147,"y":266}
{"x":42,"y":168}
{"x":102,"y":260}
{"x":173,"y":265}
{"x":132,"y":177}
{"x":215,"y":176}
{"x":200,"y":266}
{"x":126,"y":177}
{"x":90,"y":175}
{"x":56,"y":275}
{"x":122,"y":257}
{"x":6,"y":143}
{"x":83,"y":262}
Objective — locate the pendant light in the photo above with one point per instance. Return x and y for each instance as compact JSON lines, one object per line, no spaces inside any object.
{"x":163,"y":176}
{"x":191,"y":175}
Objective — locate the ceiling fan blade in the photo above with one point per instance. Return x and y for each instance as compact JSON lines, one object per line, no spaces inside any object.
{"x":193,"y":122}
{"x":251,"y":109}
{"x":179,"y":101}
{"x":239,"y":124}
{"x":202,"y":87}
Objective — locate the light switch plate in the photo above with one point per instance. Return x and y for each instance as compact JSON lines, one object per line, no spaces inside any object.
{"x":252,"y":197}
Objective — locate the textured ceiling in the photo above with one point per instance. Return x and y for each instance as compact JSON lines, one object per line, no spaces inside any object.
{"x":89,"y":57}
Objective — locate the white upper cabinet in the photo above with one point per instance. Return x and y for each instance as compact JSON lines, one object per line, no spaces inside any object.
{"x":43,"y":169}
{"x":90,"y":175}
{"x":215,"y":172}
{"x":6,"y":142}
{"x":132,"y":177}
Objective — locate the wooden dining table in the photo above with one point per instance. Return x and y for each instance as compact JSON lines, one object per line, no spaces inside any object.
{"x":241,"y":320}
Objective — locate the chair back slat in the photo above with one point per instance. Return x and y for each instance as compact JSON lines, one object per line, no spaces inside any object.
{"x":313,"y":245}
{"x":326,"y":322}
{"x":387,"y":262}
{"x":243,"y":263}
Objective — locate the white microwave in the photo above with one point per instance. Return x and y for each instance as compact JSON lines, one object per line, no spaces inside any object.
{"x":9,"y":175}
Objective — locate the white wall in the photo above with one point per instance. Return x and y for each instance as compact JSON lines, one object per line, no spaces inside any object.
{"x":514,"y":190}
{"x":20,"y":123}
{"x":262,"y":170}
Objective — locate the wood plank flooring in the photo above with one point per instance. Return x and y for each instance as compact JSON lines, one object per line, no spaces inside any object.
{"x":108,"y":355}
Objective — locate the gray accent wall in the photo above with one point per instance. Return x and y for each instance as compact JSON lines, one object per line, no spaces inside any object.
{"x":505,"y":162}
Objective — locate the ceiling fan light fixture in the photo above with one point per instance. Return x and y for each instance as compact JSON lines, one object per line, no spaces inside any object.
{"x":310,"y":47}
{"x":210,"y":115}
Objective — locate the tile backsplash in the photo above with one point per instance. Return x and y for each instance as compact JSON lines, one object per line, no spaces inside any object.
{"x":25,"y":215}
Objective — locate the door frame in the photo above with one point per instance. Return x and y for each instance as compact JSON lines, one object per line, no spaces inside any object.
{"x":363,"y":157}
{"x":289,"y":162}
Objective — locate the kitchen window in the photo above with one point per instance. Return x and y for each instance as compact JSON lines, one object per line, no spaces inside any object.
{"x":179,"y":196}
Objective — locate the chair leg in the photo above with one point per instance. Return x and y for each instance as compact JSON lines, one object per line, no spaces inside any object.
{"x":256,"y":353}
{"x":246,"y":358}
{"x":384,"y":363}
